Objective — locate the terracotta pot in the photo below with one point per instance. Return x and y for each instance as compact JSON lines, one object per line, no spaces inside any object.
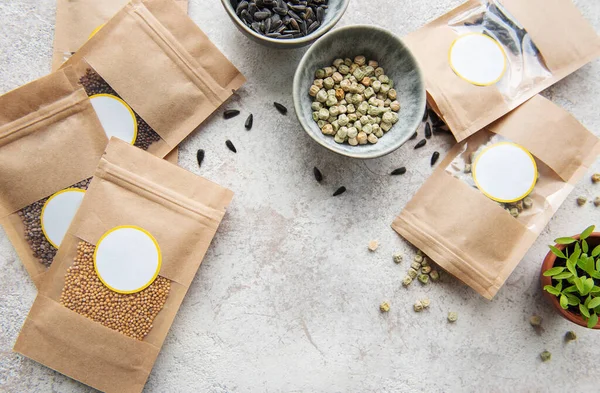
{"x":593,"y":240}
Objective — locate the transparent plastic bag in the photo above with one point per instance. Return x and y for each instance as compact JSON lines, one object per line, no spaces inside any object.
{"x":525,"y":64}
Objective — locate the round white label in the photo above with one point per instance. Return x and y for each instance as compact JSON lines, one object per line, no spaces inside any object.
{"x":505,"y":172}
{"x":478,"y":59}
{"x":116,"y":116}
{"x":127,"y":259}
{"x":58,"y":212}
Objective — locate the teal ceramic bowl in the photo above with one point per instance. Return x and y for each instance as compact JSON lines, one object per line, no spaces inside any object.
{"x":336,"y":9}
{"x":399,"y":64}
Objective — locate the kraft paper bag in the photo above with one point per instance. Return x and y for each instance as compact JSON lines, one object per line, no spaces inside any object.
{"x":475,"y":237}
{"x":541,"y":42}
{"x":50,"y":140}
{"x":78,"y":20}
{"x":136,"y":191}
{"x":154,"y":60}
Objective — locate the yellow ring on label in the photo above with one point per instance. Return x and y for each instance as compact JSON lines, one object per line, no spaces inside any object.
{"x":135,"y":123}
{"x":97,"y":29}
{"x":158,"y":266}
{"x":44,"y":210}
{"x":467,"y":79}
{"x":474,"y":170}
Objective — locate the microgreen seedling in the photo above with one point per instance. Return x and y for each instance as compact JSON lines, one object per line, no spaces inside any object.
{"x":576,"y":276}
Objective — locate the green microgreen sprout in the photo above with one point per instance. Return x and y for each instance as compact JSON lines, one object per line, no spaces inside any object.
{"x":576,"y":276}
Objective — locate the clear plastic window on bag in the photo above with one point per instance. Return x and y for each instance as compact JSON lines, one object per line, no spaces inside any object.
{"x":495,"y":175}
{"x":131,"y":314}
{"x":45,"y":221}
{"x":524,"y":64}
{"x":116,"y":116}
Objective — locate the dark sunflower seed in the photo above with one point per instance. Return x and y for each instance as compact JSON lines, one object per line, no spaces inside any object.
{"x":294,"y":24}
{"x":259,"y":16}
{"x":249,"y":122}
{"x":242,"y":6}
{"x":399,"y":171}
{"x":230,"y":146}
{"x":280,"y":11}
{"x":339,"y":191}
{"x":252,"y":9}
{"x":320,"y":14}
{"x":424,"y":116}
{"x":421,"y":143}
{"x":427,"y":131}
{"x":298,"y":8}
{"x":414,"y":136}
{"x":313,"y":26}
{"x":434,"y":157}
{"x":282,"y":109}
{"x":229,"y":113}
{"x":200,"y":157}
{"x":294,"y":15}
{"x":318,"y":174}
{"x":286,"y":36}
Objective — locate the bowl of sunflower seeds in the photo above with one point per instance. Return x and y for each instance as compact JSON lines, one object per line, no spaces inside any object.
{"x":285,"y":24}
{"x":359,"y":91}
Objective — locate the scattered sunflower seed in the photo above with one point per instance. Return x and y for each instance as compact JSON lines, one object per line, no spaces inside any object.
{"x":535,"y":320}
{"x":452,"y":316}
{"x":230,"y":146}
{"x":581,"y":200}
{"x":570,"y":336}
{"x":545,"y":356}
{"x":399,"y":171}
{"x":339,"y":191}
{"x":425,"y":115}
{"x":249,"y":122}
{"x":596,"y":178}
{"x":421,"y":143}
{"x":427,"y":131}
{"x":414,"y":136}
{"x":373,"y":244}
{"x":229,"y":113}
{"x":282,"y":109}
{"x":435,"y":157}
{"x":318,"y":174}
{"x":384,"y":307}
{"x":200,"y":157}
{"x":397,"y":257}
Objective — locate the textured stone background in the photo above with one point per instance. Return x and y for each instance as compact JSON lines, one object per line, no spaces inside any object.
{"x":287,"y":297}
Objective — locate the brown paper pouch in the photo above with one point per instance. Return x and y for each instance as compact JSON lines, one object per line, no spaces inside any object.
{"x":470,"y":235}
{"x":50,"y":139}
{"x":153,"y":57}
{"x":77,"y":20}
{"x":543,"y":42}
{"x":130,"y":188}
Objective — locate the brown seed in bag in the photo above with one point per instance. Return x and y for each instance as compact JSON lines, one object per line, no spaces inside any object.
{"x":50,"y":142}
{"x":155,"y":37}
{"x":87,"y":325}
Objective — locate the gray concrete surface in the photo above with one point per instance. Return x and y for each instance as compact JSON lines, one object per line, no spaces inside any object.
{"x":287,"y":297}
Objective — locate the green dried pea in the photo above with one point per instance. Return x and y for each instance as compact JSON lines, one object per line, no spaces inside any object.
{"x":452,"y":316}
